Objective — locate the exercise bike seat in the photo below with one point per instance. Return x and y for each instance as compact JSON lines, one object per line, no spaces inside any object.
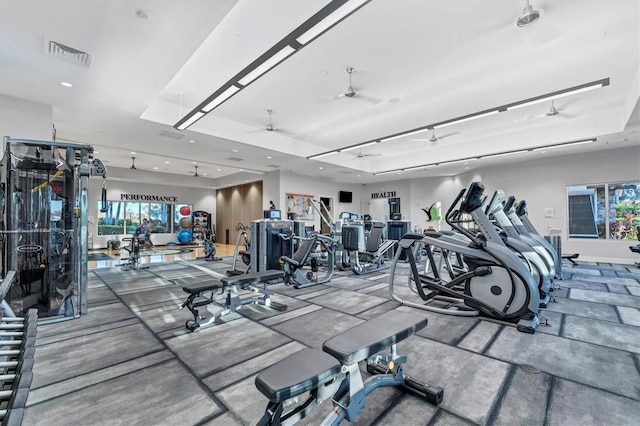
{"x":301,"y":372}
{"x":370,"y":337}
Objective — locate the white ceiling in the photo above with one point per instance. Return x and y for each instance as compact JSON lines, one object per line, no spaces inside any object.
{"x":416,"y":63}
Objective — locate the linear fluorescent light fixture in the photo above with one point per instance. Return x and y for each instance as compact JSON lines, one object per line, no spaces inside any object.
{"x":465,"y":118}
{"x":563,"y":145}
{"x":362,"y":145}
{"x":497,"y":154}
{"x":220,"y":98}
{"x":503,"y":154}
{"x":330,"y":15}
{"x":186,"y":123}
{"x":274,"y":60}
{"x":324,"y":154}
{"x":560,"y":94}
{"x":404,"y":134}
{"x":342,"y":12}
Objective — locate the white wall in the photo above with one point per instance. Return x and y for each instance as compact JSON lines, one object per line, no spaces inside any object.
{"x":202,"y":199}
{"x":542,"y":183}
{"x":379,"y":208}
{"x":271,"y":190}
{"x":297,"y":184}
{"x":21,"y":119}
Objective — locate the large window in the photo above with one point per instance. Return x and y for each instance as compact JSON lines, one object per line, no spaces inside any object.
{"x":605,"y":211}
{"x":125,"y":217}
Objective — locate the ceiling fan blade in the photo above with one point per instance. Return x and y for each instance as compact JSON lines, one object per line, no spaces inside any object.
{"x":448,"y":134}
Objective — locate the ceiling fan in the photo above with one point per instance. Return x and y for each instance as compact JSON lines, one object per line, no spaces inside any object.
{"x":353,"y":93}
{"x":362,"y":155}
{"x":133,"y":163}
{"x":552,"y":112}
{"x":434,"y":138}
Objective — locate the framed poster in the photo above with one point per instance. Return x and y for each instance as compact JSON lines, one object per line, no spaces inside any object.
{"x":301,"y":205}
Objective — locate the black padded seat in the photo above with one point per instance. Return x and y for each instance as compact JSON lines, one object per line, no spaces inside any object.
{"x":372,"y":336}
{"x":375,"y":237}
{"x":254,"y":277}
{"x":200,"y":287}
{"x":302,"y":254}
{"x":299,"y":373}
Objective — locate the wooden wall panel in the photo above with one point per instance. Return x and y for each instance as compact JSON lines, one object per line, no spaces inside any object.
{"x":241,"y":203}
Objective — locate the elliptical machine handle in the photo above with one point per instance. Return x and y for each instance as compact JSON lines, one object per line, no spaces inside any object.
{"x":521,"y":208}
{"x":474,"y":198}
{"x":509,"y":204}
{"x":452,"y":213}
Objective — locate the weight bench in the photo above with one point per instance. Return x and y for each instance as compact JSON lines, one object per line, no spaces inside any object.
{"x":334,"y":372}
{"x":232,"y":285}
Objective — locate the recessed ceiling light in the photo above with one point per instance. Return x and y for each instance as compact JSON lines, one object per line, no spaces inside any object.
{"x":242,"y":170}
{"x":155,"y":168}
{"x":133,"y":153}
{"x":219,"y":170}
{"x":96,"y":152}
{"x":167,"y":162}
{"x":65,"y":84}
{"x":269,"y":157}
{"x":194,"y":162}
{"x":320,"y":168}
{"x":234,"y":150}
{"x":204,"y":174}
{"x":191,"y":141}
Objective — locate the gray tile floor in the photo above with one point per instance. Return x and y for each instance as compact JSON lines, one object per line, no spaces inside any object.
{"x":130,"y":361}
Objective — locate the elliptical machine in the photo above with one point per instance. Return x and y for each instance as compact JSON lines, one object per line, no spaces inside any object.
{"x":526,"y":248}
{"x":490,"y":280}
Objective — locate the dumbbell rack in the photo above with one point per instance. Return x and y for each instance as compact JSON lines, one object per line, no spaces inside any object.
{"x":17,"y":347}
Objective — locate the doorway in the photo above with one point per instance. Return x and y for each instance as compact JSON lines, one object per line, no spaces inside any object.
{"x":328,"y":204}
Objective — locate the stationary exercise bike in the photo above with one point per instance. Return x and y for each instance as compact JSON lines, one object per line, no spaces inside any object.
{"x":209,"y":247}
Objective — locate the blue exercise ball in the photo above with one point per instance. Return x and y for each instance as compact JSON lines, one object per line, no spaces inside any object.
{"x":184,"y":236}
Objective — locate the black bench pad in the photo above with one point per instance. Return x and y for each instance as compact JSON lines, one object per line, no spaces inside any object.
{"x":254,"y":277}
{"x":298,"y":373}
{"x":372,"y":336}
{"x":200,"y":287}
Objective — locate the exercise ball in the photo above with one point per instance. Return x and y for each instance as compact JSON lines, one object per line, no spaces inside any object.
{"x":185,"y":211}
{"x":184,"y":236}
{"x":185,"y":222}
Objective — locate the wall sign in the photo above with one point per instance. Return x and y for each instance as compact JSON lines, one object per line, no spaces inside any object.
{"x":388,"y":194}
{"x":145,"y":197}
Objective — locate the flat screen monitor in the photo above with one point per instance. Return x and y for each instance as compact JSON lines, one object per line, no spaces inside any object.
{"x":272,"y":214}
{"x":354,"y":216}
{"x":345,"y":215}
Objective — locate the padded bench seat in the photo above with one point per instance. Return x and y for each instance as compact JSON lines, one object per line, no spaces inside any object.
{"x":309,"y":368}
{"x":196,"y":288}
{"x":370,"y":337}
{"x":299,"y":373}
{"x":253,"y":277}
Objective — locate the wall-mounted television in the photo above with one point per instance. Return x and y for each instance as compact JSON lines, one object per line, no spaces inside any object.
{"x":345,"y":197}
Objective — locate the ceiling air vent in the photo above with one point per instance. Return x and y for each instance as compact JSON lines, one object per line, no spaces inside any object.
{"x":67,"y":53}
{"x":273,"y":166}
{"x":235,"y":159}
{"x":172,"y":135}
